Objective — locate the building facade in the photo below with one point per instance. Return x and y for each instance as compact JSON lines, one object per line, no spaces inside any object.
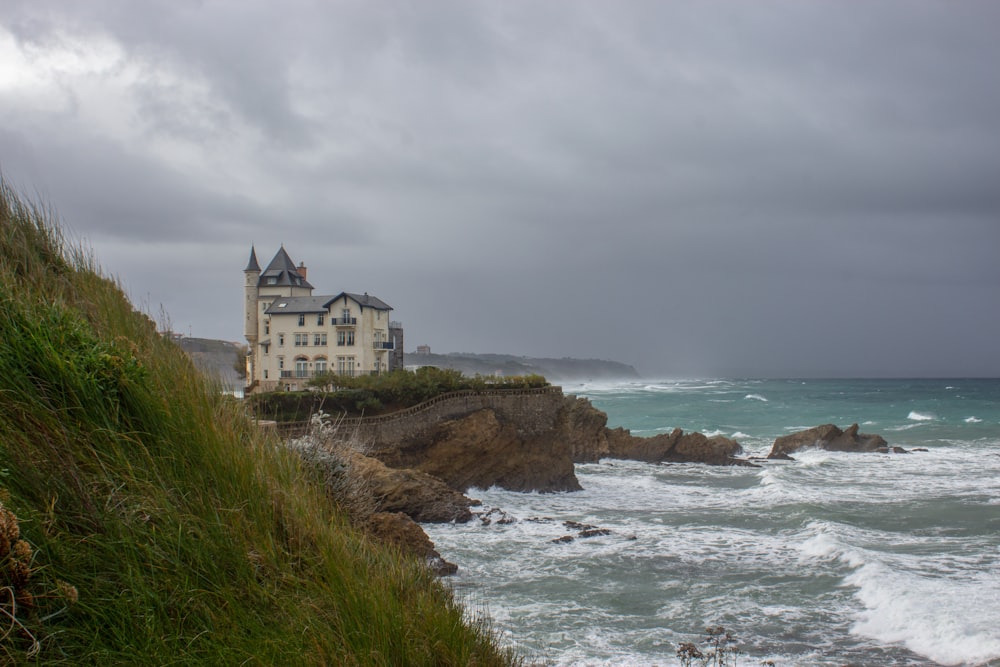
{"x":293,"y":336}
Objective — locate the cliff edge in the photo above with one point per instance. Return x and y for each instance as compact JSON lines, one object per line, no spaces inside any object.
{"x":531,"y":443}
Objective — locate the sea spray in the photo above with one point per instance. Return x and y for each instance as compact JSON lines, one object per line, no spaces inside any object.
{"x":833,"y":558}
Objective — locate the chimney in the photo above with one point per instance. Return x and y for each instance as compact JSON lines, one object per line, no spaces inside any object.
{"x":301,"y":269}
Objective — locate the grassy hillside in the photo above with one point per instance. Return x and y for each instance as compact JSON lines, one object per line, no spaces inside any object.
{"x":145,"y":521}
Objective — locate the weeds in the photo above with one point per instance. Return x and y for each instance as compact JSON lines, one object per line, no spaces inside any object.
{"x":720,"y":650}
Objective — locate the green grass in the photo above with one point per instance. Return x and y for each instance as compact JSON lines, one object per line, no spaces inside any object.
{"x":163,"y":528}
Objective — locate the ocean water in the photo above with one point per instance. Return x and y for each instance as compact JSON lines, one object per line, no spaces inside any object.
{"x":831,"y":559}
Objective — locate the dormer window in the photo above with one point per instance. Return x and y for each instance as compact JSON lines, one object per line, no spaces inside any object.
{"x":271,"y":280}
{"x":302,"y":320}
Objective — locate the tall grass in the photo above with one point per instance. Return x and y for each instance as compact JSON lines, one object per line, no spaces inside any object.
{"x":163,"y":527}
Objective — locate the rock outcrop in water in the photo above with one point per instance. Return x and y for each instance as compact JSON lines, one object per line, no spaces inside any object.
{"x":497,"y":446}
{"x":828,"y":437}
{"x":592,"y":441}
{"x":418,"y":467}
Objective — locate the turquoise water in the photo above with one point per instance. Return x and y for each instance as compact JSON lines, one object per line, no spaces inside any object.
{"x":830,"y":559}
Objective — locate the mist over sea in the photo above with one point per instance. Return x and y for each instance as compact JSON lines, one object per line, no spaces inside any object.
{"x":834,"y":558}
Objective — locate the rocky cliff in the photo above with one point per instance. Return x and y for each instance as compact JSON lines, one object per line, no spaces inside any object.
{"x":496,"y":446}
{"x":417,"y":465}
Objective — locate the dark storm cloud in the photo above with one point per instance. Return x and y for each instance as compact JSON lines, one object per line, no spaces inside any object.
{"x":726,"y":188}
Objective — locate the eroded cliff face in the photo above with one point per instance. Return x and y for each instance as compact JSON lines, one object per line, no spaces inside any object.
{"x":484,"y":449}
{"x":417,"y":468}
{"x":494,"y":447}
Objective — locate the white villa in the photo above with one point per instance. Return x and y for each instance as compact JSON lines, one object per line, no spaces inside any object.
{"x":293,"y":336}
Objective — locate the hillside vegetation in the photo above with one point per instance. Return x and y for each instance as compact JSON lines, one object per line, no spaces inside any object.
{"x":370,"y":395}
{"x":145,"y":521}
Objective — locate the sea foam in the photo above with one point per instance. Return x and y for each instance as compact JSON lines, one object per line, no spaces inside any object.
{"x":920,"y":416}
{"x":755,"y":397}
{"x":941,"y":619}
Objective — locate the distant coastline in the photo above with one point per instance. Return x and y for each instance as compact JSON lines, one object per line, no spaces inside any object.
{"x":562,"y":369}
{"x":217,"y":357}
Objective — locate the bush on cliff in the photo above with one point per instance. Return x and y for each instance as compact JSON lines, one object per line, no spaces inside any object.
{"x":378,"y":394}
{"x":144,"y":519}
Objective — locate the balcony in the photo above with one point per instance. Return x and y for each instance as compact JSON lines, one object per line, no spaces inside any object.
{"x":344,"y":321}
{"x":300,"y":374}
{"x":383,"y":345}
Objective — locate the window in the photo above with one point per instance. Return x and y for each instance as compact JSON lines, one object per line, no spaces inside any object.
{"x":281,"y":340}
{"x":320,"y":366}
{"x":265,"y":373}
{"x":345,"y":365}
{"x":346,"y":314}
{"x":301,"y":340}
{"x":272,"y":280}
{"x":267,"y":327}
{"x":319,"y":339}
{"x":345,"y":338}
{"x":302,"y":319}
{"x":301,"y":368}
{"x":319,"y":320}
{"x":281,"y":363}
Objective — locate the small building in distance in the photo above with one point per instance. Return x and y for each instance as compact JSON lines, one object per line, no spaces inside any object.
{"x":423,"y":349}
{"x":293,"y":336}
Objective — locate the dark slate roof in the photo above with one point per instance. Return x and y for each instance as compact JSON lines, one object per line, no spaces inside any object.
{"x":365,"y":300}
{"x":252,"y":265}
{"x":298,"y":304}
{"x":282,"y":268}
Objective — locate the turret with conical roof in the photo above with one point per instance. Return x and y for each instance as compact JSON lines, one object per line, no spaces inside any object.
{"x":251,"y":277}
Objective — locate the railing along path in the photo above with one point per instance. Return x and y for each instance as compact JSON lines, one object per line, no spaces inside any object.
{"x":297,"y":428}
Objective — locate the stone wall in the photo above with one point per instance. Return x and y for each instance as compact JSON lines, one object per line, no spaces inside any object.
{"x":534,"y":411}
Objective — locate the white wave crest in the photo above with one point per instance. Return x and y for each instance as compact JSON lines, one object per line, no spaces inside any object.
{"x":740,"y":435}
{"x":973,"y":420}
{"x":940,"y":619}
{"x":755,"y":397}
{"x":920,"y":416}
{"x":827,"y":545}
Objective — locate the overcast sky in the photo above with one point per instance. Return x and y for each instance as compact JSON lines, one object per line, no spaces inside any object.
{"x":727,"y":188}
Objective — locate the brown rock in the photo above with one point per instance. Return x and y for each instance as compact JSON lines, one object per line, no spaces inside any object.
{"x":420,"y":496}
{"x":828,"y":437}
{"x":480,"y":450}
{"x":402,"y":532}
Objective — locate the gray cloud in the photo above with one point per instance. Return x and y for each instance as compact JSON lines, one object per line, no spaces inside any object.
{"x":695,"y":188}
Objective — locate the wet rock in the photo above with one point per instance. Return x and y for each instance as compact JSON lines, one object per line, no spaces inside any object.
{"x":594,"y":532}
{"x":576,"y":525}
{"x":565,"y":539}
{"x":828,"y":437}
{"x":496,"y":515}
